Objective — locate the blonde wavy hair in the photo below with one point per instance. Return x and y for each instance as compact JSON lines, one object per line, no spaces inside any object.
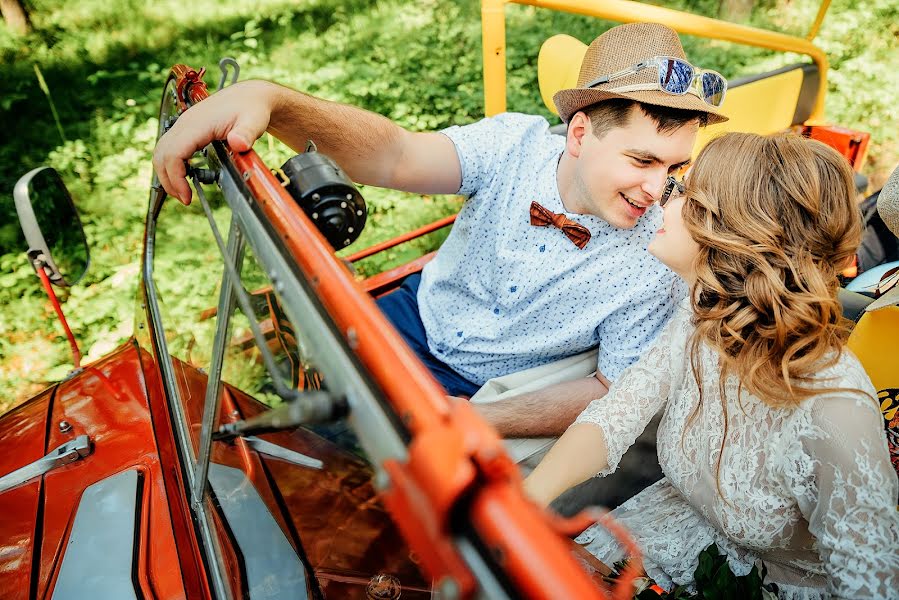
{"x":776,"y":220}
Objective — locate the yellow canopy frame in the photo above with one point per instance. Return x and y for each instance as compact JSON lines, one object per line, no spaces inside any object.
{"x":493,"y":24}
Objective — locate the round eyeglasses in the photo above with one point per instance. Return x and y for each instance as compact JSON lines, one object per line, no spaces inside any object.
{"x":673,"y":188}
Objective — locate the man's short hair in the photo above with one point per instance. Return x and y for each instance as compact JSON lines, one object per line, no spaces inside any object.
{"x":609,"y":114}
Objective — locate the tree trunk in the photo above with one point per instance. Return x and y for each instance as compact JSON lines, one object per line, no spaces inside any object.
{"x":15,"y":16}
{"x":736,"y":10}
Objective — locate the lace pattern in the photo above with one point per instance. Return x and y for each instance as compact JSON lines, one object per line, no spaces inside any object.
{"x":809,"y":490}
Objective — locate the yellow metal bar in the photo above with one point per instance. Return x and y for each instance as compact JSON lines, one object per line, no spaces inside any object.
{"x":822,"y":10}
{"x":626,"y":11}
{"x":493,"y":37}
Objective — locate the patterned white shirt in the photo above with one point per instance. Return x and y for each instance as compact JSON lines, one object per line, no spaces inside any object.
{"x":503,"y":295}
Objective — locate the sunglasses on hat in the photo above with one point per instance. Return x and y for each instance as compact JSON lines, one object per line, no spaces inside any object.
{"x":676,"y":76}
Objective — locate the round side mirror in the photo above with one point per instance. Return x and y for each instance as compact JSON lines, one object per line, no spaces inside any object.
{"x":51,"y":225}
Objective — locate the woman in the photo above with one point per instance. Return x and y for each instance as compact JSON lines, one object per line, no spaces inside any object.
{"x":771,"y":442}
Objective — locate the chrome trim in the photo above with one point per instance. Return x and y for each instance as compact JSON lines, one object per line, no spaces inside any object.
{"x":205,"y":528}
{"x":273,"y":569}
{"x":66,"y":453}
{"x":165,"y":366}
{"x":213,"y":399}
{"x":99,"y":561}
{"x":266,"y":447}
{"x":208,"y":541}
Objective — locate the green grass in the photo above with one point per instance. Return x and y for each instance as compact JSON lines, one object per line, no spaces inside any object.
{"x":419,"y":63}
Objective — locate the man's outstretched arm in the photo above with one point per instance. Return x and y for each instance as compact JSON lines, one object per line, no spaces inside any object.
{"x":369,"y":147}
{"x":543,"y":413}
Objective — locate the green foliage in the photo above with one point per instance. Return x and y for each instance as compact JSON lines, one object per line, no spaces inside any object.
{"x":104,"y":62}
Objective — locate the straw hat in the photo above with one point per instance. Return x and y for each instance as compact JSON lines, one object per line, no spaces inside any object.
{"x":622,"y":47}
{"x":888,"y":203}
{"x":888,"y":209}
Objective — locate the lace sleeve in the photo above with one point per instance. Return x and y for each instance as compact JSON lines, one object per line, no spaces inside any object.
{"x":848,"y":497}
{"x":635,"y":397}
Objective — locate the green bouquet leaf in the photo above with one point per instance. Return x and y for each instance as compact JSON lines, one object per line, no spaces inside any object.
{"x":713,"y":580}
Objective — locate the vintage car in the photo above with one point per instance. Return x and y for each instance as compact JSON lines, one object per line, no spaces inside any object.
{"x":265,"y":433}
{"x":257,"y":433}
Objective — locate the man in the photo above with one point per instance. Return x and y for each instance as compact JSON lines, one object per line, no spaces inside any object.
{"x":548,"y":256}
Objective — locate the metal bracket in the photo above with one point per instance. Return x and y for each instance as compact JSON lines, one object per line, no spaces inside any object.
{"x":223,"y":65}
{"x":67,"y":453}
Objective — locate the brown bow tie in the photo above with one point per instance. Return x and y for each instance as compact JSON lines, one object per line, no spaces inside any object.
{"x":577,"y":233}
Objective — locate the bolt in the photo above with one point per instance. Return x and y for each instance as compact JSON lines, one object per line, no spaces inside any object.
{"x":316,"y":197}
{"x":246,"y":175}
{"x":352,"y":338}
{"x":350,"y":229}
{"x":383,"y":587}
{"x":65,"y":427}
{"x":315,"y":215}
{"x":140,"y":325}
{"x":358,"y":213}
{"x":343,"y":205}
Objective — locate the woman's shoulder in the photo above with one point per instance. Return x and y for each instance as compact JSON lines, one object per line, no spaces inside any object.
{"x":847,"y":395}
{"x":846,"y":372}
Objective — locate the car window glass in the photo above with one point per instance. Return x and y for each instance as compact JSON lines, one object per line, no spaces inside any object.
{"x":187,"y":271}
{"x":243,"y":365}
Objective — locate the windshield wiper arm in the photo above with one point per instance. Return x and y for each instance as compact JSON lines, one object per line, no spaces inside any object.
{"x":314,"y":406}
{"x":292,"y":456}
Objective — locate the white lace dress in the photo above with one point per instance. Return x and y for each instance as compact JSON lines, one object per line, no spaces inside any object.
{"x":810,"y":490}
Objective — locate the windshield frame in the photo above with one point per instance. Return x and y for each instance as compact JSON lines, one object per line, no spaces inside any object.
{"x":324,"y":344}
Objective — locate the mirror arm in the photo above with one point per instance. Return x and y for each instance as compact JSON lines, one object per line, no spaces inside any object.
{"x":39,"y":265}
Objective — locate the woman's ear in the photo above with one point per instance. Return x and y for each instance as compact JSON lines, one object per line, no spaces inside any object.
{"x":578,"y":127}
